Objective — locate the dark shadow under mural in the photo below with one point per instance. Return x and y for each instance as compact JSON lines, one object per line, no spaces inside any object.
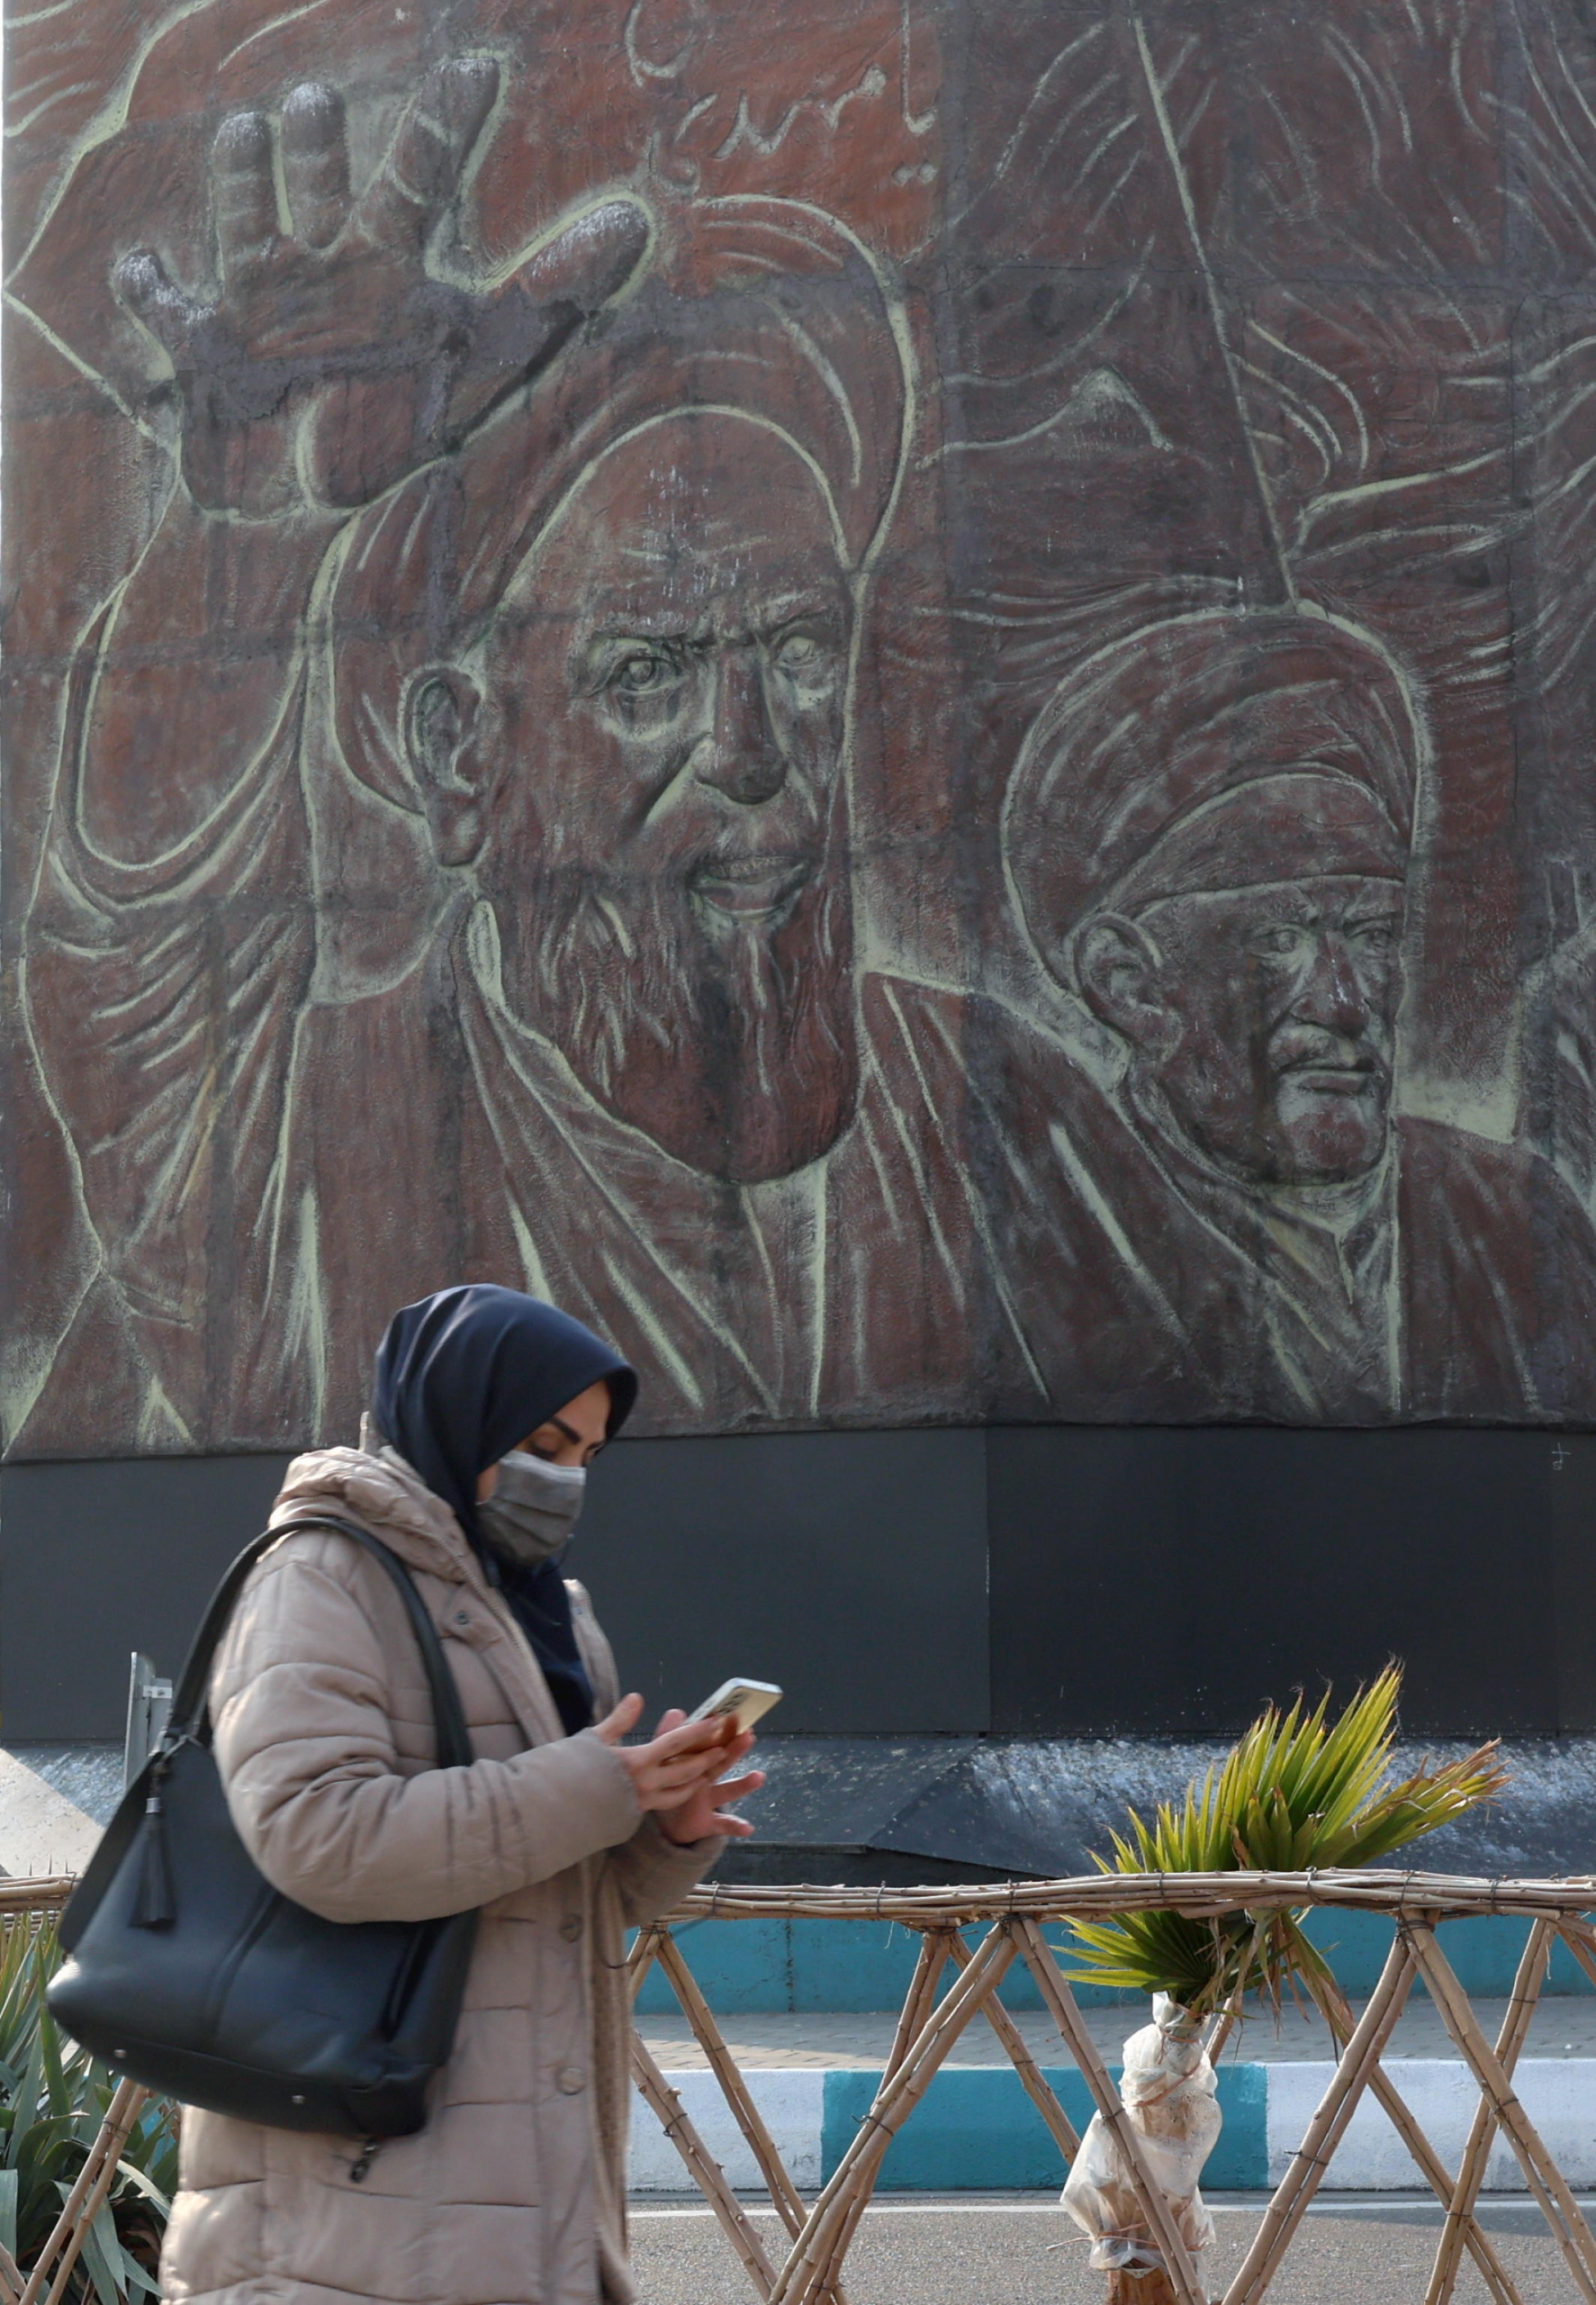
{"x":898,"y":697}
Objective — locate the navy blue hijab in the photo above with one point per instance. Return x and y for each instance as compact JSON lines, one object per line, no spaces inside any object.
{"x":462,"y":1377}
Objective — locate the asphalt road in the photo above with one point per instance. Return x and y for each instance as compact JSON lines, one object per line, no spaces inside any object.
{"x":991,"y":2254}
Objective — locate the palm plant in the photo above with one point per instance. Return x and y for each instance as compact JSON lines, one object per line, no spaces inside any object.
{"x":53,"y":2099}
{"x":1299,"y":1792}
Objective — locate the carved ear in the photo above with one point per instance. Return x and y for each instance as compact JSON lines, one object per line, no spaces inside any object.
{"x":1118,"y":970}
{"x":440,"y":712}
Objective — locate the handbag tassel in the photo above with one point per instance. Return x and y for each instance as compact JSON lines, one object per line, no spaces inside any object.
{"x":154,"y":1906}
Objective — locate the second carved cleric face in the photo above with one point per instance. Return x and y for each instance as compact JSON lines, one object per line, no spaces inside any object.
{"x":1208,"y":834}
{"x":1282,"y":1002}
{"x":665,"y":845}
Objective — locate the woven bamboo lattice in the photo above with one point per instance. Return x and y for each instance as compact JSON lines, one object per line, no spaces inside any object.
{"x":937,"y":2010}
{"x":1011,"y":1918}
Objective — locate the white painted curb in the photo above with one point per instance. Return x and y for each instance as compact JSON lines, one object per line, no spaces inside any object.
{"x":1558,"y":2094}
{"x":792,"y":2101}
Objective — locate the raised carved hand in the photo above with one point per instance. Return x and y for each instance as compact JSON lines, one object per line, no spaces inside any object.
{"x":333,"y":362}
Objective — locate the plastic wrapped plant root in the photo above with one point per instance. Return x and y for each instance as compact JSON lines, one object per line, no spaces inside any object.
{"x":1169,"y":2094}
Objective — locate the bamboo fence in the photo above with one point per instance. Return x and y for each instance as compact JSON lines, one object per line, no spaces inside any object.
{"x":1010,"y":1919}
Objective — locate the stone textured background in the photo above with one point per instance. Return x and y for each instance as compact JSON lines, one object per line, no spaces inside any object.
{"x":570,"y":715}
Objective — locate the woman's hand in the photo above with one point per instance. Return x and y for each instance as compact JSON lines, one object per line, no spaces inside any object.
{"x":679,"y":1773}
{"x":706,"y":1809}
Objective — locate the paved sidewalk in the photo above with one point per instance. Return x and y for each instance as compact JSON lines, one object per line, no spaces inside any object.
{"x":1564,"y":2027}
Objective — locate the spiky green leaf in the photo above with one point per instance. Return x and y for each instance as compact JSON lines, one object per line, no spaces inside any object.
{"x":1298,"y":1792}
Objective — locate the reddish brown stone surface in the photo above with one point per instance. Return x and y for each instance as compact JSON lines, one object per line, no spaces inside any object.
{"x":895,"y":695}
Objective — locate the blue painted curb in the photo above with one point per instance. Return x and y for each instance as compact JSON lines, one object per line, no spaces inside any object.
{"x":976,"y":2130}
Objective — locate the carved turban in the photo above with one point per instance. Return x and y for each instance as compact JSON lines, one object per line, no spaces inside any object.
{"x":753,"y":308}
{"x":1218,"y":751}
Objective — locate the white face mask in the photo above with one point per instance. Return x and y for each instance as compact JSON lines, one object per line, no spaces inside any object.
{"x":533,"y":1509}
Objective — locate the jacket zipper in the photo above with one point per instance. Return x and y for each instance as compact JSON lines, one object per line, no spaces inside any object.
{"x":362,"y":2161}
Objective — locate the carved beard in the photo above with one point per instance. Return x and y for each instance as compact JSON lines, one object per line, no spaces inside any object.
{"x":734,"y":1048}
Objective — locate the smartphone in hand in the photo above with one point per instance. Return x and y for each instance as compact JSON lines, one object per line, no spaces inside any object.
{"x":745,"y":1701}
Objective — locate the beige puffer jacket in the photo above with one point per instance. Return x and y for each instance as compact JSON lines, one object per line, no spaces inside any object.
{"x":514,"y":2192}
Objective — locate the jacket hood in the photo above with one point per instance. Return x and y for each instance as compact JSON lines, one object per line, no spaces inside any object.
{"x":378,"y":1489}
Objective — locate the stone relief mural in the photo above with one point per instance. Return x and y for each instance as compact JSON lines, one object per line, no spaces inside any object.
{"x":904,"y":710}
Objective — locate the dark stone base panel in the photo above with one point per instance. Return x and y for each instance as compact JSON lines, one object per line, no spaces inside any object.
{"x":1062,"y":1581}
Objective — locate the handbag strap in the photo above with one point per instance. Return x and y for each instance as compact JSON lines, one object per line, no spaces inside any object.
{"x":190,"y":1712}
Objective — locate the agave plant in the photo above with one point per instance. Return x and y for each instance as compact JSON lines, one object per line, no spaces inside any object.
{"x":1298,"y":1792}
{"x":53,"y":2099}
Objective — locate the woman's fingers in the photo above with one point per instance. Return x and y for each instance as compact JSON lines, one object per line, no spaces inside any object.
{"x":684,"y":1759}
{"x":725,"y":1824}
{"x":738,"y":1788}
{"x":692,"y":1736}
{"x":681,"y":1773}
{"x":705,"y":1764}
{"x":675,"y":1793}
{"x":621,"y":1722}
{"x":671,"y":1718}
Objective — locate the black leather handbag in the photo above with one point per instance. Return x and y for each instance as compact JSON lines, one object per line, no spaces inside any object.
{"x":189,"y":1970}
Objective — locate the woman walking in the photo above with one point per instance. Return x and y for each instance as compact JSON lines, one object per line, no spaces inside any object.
{"x":488,"y":1408}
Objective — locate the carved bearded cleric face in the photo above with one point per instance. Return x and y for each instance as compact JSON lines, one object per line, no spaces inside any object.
{"x":656,"y":755}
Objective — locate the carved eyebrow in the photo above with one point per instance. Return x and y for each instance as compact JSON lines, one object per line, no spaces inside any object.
{"x":793,"y":608}
{"x":624,"y":620}
{"x":646,"y":624}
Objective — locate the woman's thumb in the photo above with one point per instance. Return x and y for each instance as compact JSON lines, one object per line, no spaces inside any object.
{"x":621,"y":1722}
